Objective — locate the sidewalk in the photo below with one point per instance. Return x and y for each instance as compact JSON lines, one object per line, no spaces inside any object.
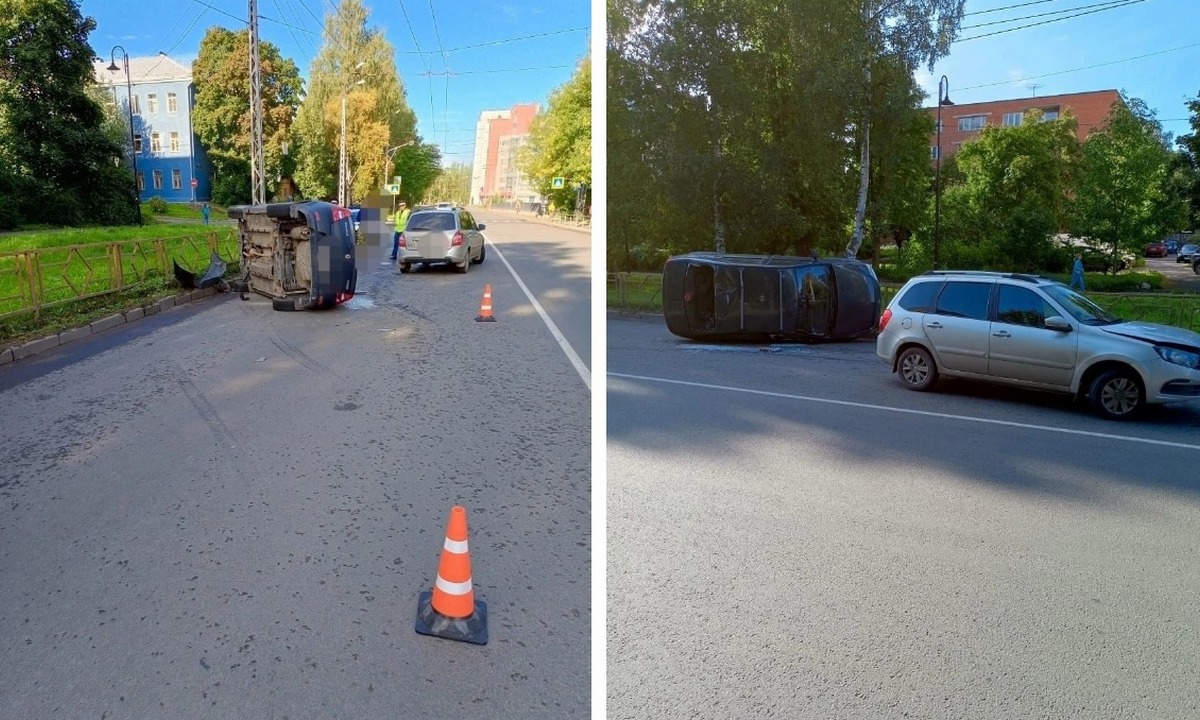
{"x":530,"y":216}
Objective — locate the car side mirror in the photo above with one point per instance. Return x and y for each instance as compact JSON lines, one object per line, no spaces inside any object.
{"x":481,"y":226}
{"x":1054,"y":322}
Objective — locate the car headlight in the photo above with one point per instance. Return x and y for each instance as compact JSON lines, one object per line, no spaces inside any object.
{"x":1179,"y":357}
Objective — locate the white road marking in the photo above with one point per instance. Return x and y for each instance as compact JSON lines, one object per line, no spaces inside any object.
{"x":926,"y":413}
{"x":573,"y":356}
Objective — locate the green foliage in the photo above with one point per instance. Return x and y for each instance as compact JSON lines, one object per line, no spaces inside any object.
{"x":158,"y":206}
{"x":1123,"y":200}
{"x":418,"y":166}
{"x":560,"y":141}
{"x":453,"y":185}
{"x":52,"y":134}
{"x":384,"y":120}
{"x":222,"y":116}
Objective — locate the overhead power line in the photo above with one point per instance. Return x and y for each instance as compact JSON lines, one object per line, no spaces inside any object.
{"x":1086,"y":67}
{"x":1053,"y":20}
{"x":1045,"y":14}
{"x":1008,"y":7}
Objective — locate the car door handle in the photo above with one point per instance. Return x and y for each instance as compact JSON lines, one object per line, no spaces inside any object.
{"x":1001,"y":334}
{"x":936,"y":325}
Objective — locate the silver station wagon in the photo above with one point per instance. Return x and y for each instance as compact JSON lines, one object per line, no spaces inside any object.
{"x":1037,"y":333}
{"x":442,"y":235}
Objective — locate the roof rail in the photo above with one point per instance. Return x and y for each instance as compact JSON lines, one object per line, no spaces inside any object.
{"x":1024,"y":277}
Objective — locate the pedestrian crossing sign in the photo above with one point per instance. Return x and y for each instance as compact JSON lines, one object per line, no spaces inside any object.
{"x":558,"y":183}
{"x":394,"y":189}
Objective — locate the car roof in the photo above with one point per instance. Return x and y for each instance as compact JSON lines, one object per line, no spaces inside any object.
{"x":987,"y":274}
{"x":741,"y":259}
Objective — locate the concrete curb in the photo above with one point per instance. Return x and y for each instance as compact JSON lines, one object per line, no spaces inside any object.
{"x":66,"y":337}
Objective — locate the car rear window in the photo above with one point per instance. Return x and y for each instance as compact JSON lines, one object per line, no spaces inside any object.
{"x":919,"y":297}
{"x":431,"y":221}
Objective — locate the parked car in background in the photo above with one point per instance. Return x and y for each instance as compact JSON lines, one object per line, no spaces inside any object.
{"x":442,"y":235}
{"x":1156,"y":250}
{"x":1034,"y":332}
{"x":1186,"y":252}
{"x":717,"y":296}
{"x":1172,"y":247}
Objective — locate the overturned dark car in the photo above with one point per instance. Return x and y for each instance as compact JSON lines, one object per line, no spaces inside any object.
{"x":715,"y":296}
{"x":299,"y":254}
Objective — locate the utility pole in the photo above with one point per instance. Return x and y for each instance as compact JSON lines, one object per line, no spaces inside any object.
{"x":258,"y":180}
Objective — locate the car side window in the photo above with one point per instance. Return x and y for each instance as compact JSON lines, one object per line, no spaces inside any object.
{"x":965,"y":300}
{"x":466,"y":221}
{"x":919,"y":297}
{"x":1022,"y":306}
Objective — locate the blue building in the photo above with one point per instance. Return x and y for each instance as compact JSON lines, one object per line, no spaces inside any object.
{"x":171,"y":163}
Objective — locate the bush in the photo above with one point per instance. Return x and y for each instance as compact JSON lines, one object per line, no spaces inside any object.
{"x":158,"y":206}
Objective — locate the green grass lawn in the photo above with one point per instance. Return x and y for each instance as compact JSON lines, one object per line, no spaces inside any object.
{"x":189,"y":211}
{"x":61,"y":237}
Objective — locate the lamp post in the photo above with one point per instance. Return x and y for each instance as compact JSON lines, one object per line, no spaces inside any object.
{"x":943,"y":99}
{"x":343,"y":191}
{"x":390,"y":156}
{"x":137,"y":199}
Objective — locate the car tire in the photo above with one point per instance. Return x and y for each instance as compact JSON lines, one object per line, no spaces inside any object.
{"x":464,"y":266}
{"x":405,"y":268}
{"x":1196,"y":266}
{"x":482,"y":254}
{"x":1116,"y":395}
{"x":916,"y":368}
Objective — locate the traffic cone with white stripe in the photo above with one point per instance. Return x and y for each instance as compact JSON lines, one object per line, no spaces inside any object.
{"x":485,"y":307}
{"x":451,"y":610}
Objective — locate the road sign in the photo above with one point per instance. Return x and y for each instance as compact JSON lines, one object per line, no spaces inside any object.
{"x":393,"y":189}
{"x":195,"y":182}
{"x":558,"y":183}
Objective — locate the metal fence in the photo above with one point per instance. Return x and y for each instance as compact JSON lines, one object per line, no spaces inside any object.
{"x":32,"y":281}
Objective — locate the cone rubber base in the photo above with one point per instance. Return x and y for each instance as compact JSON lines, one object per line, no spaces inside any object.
{"x":480,"y":318}
{"x":471,"y":629}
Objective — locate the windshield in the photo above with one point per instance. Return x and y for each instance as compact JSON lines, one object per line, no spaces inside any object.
{"x":1080,"y":308}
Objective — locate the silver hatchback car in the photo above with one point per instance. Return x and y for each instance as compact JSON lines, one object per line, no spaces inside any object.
{"x":1037,"y":333}
{"x":442,"y":235}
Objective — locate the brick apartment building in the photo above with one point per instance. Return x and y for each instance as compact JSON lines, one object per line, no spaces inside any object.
{"x":960,"y":123}
{"x":499,"y":135}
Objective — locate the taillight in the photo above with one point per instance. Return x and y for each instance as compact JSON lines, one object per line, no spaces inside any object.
{"x":458,"y":239}
{"x":403,"y":241}
{"x":884,"y":319}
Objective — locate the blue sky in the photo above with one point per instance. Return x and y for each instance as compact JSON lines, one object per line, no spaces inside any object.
{"x":1148,"y":49}
{"x":504,"y":72}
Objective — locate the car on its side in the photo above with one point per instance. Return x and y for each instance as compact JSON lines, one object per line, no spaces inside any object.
{"x":718,"y":296}
{"x":1186,"y":252}
{"x":1155,"y":250}
{"x":442,"y":235}
{"x":1034,"y":332}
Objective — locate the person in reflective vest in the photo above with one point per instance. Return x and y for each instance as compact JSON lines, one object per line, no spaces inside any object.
{"x":401,"y":223}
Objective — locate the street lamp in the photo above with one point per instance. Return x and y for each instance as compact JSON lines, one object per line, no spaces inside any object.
{"x":343,"y":191}
{"x":943,"y":99}
{"x":389,"y":155}
{"x":137,"y":199}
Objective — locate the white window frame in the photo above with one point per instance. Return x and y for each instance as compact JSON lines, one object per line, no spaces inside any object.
{"x":1050,"y":116}
{"x":972,"y":122}
{"x":177,"y":179}
{"x":174,"y":139}
{"x":158,"y":179}
{"x":155,"y":143}
{"x":933,"y":152}
{"x":151,"y":103}
{"x":172,"y":103}
{"x":137,"y":143}
{"x":137,"y":106}
{"x":1013,"y":119}
{"x":141,"y":181}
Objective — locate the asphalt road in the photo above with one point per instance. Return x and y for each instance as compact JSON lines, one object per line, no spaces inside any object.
{"x":794,"y":535}
{"x":226,"y":511}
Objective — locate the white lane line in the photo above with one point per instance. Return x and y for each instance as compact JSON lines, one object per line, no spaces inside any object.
{"x":927,"y":413}
{"x":573,"y":356}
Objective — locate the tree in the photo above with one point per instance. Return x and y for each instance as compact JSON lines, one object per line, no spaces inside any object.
{"x":221,"y":117}
{"x":1190,"y":146}
{"x":453,"y":185}
{"x":1123,"y":201}
{"x":60,"y":162}
{"x":419,"y":166}
{"x":560,"y":141}
{"x":350,"y":52}
{"x":911,"y":32}
{"x":1014,"y":195}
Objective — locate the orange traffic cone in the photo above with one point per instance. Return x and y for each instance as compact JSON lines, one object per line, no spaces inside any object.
{"x":451,"y":610}
{"x":485,"y":307}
